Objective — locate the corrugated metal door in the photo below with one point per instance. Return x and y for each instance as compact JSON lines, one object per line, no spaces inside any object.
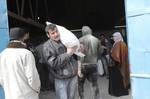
{"x":138,"y":29}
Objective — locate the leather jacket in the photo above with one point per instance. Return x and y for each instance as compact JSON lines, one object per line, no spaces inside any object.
{"x":60,"y":64}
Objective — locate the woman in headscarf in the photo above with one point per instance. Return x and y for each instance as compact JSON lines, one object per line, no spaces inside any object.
{"x":119,"y":67}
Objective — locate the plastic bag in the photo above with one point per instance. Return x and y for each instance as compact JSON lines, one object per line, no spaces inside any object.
{"x":100,"y":68}
{"x":68,"y":39}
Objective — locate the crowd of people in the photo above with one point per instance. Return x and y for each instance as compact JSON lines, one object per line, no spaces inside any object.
{"x":24,"y":73}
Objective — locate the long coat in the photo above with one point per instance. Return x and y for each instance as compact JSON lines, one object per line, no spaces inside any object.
{"x":18,"y":74}
{"x":119,"y":53}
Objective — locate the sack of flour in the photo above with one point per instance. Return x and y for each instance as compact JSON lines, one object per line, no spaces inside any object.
{"x":68,"y":39}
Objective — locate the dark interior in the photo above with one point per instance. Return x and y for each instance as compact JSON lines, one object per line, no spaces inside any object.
{"x":73,"y":14}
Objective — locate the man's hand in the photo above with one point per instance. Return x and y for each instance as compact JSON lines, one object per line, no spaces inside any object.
{"x":80,"y":73}
{"x":79,"y":69}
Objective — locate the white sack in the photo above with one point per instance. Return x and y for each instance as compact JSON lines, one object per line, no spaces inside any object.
{"x":68,"y":39}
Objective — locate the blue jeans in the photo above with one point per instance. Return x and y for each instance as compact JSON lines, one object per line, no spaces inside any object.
{"x":66,"y":88}
{"x":1,"y":93}
{"x":105,"y":64}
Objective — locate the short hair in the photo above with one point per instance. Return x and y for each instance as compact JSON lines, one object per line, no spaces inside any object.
{"x":50,"y":27}
{"x":102,"y":34}
{"x":16,"y":33}
{"x":86,"y":30}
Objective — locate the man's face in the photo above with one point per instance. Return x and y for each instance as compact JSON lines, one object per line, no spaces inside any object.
{"x":102,"y":37}
{"x":54,"y":34}
{"x":26,"y":38}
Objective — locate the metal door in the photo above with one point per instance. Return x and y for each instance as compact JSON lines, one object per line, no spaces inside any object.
{"x":3,"y":32}
{"x":138,"y":29}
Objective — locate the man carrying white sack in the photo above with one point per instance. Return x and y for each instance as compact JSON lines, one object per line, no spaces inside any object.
{"x":69,"y":39}
{"x":61,"y":63}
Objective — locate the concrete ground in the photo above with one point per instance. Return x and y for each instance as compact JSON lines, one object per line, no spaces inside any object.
{"x":103,"y":86}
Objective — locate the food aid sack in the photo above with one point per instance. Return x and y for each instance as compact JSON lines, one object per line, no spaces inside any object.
{"x":68,"y":38}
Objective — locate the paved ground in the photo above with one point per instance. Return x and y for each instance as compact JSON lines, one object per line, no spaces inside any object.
{"x":103,"y":86}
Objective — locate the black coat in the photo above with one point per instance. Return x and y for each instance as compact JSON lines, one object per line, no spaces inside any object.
{"x":60,"y":64}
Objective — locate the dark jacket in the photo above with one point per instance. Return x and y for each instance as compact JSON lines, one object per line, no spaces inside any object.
{"x":60,"y":64}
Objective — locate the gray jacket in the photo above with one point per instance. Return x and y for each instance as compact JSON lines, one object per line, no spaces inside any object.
{"x":60,"y":64}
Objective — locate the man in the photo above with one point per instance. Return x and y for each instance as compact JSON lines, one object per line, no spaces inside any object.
{"x":88,"y":68}
{"x":61,"y":64}
{"x":106,"y":50}
{"x":18,"y":72}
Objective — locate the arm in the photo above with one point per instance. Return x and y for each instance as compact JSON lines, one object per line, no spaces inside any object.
{"x":100,"y":48}
{"x":79,"y":70}
{"x":80,"y":60}
{"x":31,"y":72}
{"x":53,"y":60}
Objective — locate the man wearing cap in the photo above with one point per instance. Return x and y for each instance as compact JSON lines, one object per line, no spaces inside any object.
{"x":18,"y":73}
